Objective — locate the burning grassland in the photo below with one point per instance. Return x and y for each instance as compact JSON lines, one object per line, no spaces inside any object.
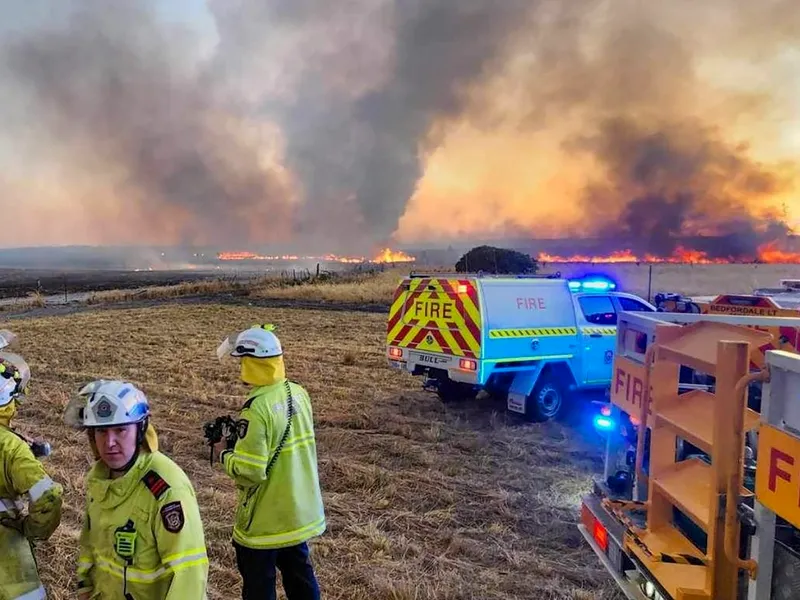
{"x":384,"y":256}
{"x":424,"y":502}
{"x":767,"y":253}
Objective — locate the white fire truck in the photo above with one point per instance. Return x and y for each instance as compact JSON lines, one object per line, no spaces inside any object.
{"x":703,"y":504}
{"x":535,"y":341}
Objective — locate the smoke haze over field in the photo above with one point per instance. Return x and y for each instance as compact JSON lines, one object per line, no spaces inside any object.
{"x":337,"y":126}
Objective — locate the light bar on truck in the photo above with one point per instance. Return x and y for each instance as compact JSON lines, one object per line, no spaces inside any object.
{"x":592,"y":284}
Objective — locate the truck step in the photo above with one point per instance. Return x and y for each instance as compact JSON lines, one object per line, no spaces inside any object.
{"x":687,"y":484}
{"x":695,"y":345}
{"x":667,"y":554}
{"x":691,"y":417}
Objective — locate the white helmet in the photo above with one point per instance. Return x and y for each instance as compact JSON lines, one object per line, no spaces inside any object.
{"x":107,"y":403}
{"x":14,"y":377}
{"x":259,"y":342}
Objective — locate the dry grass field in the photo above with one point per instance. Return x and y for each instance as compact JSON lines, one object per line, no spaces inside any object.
{"x":377,"y":288}
{"x":424,"y":502}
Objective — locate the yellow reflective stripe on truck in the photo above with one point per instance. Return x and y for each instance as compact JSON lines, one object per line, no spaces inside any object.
{"x":534,"y":332}
{"x":600,"y":330}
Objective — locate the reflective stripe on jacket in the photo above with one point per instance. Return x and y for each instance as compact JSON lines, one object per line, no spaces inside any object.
{"x":22,"y":477}
{"x":157,"y":501}
{"x":285,"y":509}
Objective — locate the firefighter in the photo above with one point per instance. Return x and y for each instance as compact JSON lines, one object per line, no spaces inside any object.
{"x":142,"y":536}
{"x":21,"y":474}
{"x":274,"y":466}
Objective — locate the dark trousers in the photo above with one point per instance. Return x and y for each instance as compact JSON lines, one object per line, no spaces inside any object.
{"x":257,"y":568}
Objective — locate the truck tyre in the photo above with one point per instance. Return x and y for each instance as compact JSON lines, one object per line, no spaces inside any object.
{"x":546,"y":402}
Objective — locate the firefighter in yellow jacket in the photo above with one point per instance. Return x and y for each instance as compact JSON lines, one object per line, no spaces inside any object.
{"x":274,"y":466}
{"x":142,"y":535}
{"x":21,"y":476}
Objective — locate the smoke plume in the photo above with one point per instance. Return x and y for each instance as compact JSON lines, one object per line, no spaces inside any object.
{"x":339,"y":125}
{"x":118,"y":96}
{"x":624,"y":121}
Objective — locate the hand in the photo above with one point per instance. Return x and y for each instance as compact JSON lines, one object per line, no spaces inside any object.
{"x":217,"y":449}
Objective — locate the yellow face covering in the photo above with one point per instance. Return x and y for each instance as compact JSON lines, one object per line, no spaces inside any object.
{"x":262,"y":371}
{"x":7,"y":413}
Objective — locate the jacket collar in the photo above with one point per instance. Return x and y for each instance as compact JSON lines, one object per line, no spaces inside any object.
{"x":110,"y":493}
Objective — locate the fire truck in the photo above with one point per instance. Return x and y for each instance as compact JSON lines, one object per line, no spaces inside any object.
{"x":534,"y":341}
{"x":699,"y":495}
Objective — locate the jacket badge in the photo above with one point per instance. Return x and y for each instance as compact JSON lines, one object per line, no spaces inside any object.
{"x":172,"y":517}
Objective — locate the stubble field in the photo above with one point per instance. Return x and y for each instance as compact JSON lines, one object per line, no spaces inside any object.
{"x":423,"y":501}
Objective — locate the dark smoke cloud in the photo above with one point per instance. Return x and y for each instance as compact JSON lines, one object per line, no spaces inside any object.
{"x":116,"y":90}
{"x":666,"y":173}
{"x":366,"y":96}
{"x":360,"y":89}
{"x":668,"y":180}
{"x":355,"y":86}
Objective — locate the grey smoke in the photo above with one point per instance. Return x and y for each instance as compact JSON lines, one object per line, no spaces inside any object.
{"x":358,"y":88}
{"x":364,"y":97}
{"x":111,"y":85}
{"x":354,"y":97}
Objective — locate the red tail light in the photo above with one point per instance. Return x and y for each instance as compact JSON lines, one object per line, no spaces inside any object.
{"x":594,"y":526}
{"x":605,"y":410}
{"x":600,"y":535}
{"x":395,"y":353}
{"x":468,"y":364}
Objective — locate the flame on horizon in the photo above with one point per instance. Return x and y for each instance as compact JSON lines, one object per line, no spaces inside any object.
{"x":386,"y":255}
{"x":768,"y":253}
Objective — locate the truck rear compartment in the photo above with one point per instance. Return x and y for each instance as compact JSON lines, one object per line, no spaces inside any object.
{"x":435,"y":315}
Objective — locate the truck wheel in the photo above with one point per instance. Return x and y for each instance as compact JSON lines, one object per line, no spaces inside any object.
{"x":546,"y":402}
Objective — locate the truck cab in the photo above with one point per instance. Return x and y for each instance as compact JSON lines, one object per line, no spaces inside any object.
{"x":538,"y":342}
{"x":597,"y":314}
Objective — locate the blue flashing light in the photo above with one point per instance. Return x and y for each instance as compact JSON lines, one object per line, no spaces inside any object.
{"x":592,"y":284}
{"x":602,"y":423}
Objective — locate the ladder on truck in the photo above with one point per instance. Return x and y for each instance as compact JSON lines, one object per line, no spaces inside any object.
{"x":707,"y":493}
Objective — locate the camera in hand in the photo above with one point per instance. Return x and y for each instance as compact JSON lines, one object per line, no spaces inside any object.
{"x":221,"y":427}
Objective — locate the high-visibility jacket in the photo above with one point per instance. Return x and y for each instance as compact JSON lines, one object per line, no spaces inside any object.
{"x":23,"y":476}
{"x":142,"y":534}
{"x":285,"y":508}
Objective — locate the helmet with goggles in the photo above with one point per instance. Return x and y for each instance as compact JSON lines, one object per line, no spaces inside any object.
{"x":107,"y":403}
{"x":259,"y":341}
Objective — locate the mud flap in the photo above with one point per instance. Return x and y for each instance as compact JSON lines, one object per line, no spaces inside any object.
{"x":521,"y":387}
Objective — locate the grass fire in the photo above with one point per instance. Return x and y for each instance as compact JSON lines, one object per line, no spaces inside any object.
{"x":175,"y":171}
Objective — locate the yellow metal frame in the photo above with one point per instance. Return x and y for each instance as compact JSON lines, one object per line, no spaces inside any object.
{"x":714,"y":422}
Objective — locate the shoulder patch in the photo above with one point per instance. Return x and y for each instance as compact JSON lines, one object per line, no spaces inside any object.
{"x":241,"y":428}
{"x":154,"y":482}
{"x":172,"y":517}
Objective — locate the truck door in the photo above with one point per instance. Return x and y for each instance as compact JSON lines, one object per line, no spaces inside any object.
{"x":597,"y":319}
